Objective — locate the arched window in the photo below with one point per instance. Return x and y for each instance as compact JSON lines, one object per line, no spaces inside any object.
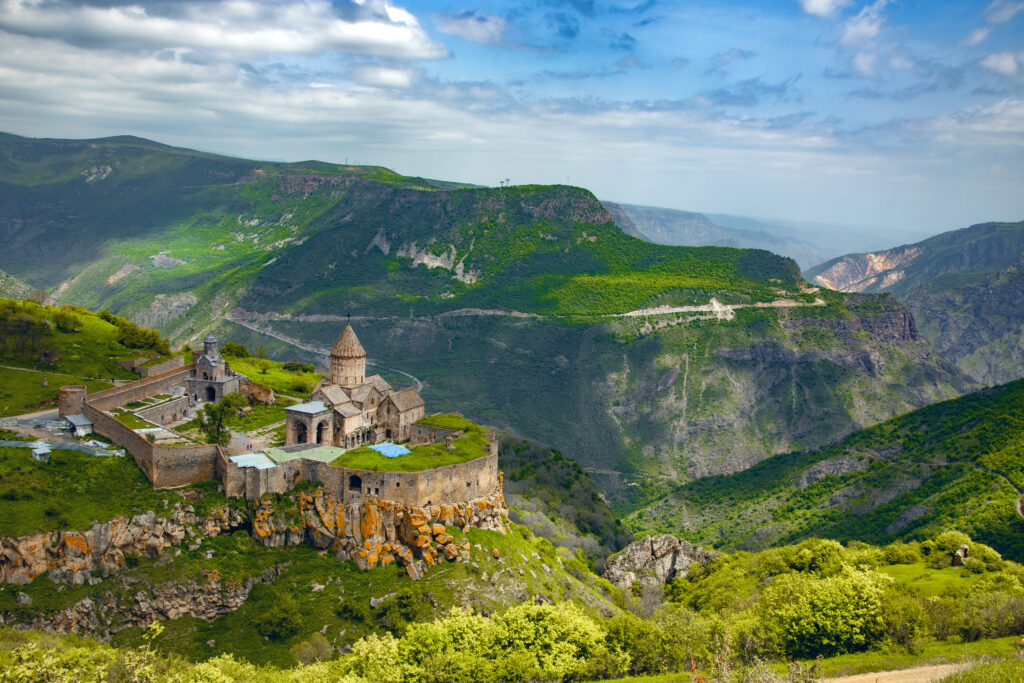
{"x":355,"y":483}
{"x":320,"y":432}
{"x":300,"y":433}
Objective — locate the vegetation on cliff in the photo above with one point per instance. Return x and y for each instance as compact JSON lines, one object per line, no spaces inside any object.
{"x":957,"y":463}
{"x":861,"y":607}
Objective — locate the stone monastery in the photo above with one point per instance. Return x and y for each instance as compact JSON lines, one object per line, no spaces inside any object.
{"x":381,"y":513}
{"x":350,"y":409}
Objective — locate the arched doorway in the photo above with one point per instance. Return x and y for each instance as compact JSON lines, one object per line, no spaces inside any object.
{"x":211,"y":394}
{"x":320,"y":432}
{"x":300,"y":433}
{"x":355,"y":483}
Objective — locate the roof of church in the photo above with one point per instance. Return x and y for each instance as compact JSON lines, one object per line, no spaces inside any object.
{"x":210,"y":338}
{"x":379,"y":382}
{"x":347,"y":410}
{"x":361,"y":393}
{"x":334,"y":394}
{"x":348,"y":345}
{"x":406,"y":399}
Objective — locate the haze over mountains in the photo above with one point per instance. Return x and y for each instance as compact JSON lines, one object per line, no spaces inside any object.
{"x":806,"y":243}
{"x":965,"y":287}
{"x":521,"y":306}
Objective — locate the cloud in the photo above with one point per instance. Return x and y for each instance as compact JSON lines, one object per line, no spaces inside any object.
{"x":724,"y":59}
{"x":680,"y":63}
{"x":1001,"y":11}
{"x":864,"y":27}
{"x":748,"y":93}
{"x":977,"y":36}
{"x":824,"y":8}
{"x":863,"y":64}
{"x":485,"y":29}
{"x":382,"y":76}
{"x":241,"y":27}
{"x":1007,"y":63}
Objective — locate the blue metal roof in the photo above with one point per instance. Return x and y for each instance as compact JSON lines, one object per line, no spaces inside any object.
{"x":390,"y":450}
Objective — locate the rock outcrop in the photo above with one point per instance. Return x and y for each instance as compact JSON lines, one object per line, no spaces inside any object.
{"x":255,"y":392}
{"x":654,"y":561}
{"x":103,"y":614}
{"x":379,"y":532}
{"x":77,"y":557}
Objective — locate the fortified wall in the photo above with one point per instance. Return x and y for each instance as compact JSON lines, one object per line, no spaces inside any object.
{"x":451,"y":483}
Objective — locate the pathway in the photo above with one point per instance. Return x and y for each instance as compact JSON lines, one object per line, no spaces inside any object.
{"x":918,"y":674}
{"x":51,"y":373}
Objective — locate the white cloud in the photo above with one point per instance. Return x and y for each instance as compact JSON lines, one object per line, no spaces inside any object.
{"x":1006,"y":63}
{"x":241,"y":27}
{"x":384,"y":77}
{"x":977,"y":36}
{"x":478,"y":28}
{"x":901,"y":63}
{"x":1001,"y":11}
{"x":824,"y":8}
{"x":863,"y":64}
{"x":864,"y":27}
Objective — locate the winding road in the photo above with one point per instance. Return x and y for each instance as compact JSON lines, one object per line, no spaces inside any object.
{"x":312,"y":348}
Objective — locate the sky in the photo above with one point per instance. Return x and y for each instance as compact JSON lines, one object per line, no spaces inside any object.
{"x":905,"y":116}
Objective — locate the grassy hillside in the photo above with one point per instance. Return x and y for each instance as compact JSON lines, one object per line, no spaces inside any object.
{"x":66,"y":345}
{"x":742,"y":617}
{"x":506,"y":302}
{"x":957,"y":463}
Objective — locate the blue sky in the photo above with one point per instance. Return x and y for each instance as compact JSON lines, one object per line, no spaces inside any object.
{"x":903,"y":116}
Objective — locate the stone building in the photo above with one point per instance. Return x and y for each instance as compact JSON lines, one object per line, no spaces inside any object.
{"x":349,"y":409}
{"x":213,"y":378}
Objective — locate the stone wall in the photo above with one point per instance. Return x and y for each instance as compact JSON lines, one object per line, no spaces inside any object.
{"x":168,"y":412}
{"x":425,"y":434}
{"x":124,"y":436}
{"x":175,"y":466}
{"x":139,"y":389}
{"x":443,"y":485}
{"x":160,"y":368}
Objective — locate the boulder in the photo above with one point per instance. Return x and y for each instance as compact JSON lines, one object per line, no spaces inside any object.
{"x":654,"y":561}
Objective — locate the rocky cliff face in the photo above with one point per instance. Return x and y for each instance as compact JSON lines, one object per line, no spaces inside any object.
{"x":874,"y":271}
{"x":654,"y":561}
{"x":78,"y":557}
{"x":379,"y":532}
{"x":103,"y":614}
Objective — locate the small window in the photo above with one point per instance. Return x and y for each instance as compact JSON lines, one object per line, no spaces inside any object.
{"x":376,"y":491}
{"x":467,"y":484}
{"x":397,"y":484}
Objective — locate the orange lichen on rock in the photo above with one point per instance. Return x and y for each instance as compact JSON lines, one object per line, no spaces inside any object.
{"x":444,"y":539}
{"x":437,"y":529}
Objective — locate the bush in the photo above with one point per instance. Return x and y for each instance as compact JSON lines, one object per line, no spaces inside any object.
{"x":902,"y":553}
{"x":280,"y":621}
{"x":235,"y":350}
{"x":825,"y":616}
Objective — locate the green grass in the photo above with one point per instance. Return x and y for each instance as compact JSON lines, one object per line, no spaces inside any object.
{"x":931,"y":652}
{"x":272,"y":375}
{"x":22,"y":391}
{"x":471,"y":446}
{"x":71,"y":490}
{"x":130,"y":419}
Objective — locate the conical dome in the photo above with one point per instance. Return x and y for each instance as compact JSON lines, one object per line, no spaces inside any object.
{"x":348,"y":345}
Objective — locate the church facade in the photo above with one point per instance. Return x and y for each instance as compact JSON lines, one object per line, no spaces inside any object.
{"x":349,"y":409}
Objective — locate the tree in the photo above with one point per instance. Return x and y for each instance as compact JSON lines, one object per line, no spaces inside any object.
{"x":261,"y":351}
{"x":213,"y":422}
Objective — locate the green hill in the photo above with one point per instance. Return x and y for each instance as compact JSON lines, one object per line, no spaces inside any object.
{"x":512,"y":305}
{"x":66,"y":345}
{"x":954,"y":464}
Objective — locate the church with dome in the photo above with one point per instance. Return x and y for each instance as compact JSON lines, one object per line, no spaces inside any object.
{"x":349,"y":409}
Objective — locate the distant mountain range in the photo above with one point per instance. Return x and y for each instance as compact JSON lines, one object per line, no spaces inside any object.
{"x":806,"y":243}
{"x":965,"y":287}
{"x":525,"y":307}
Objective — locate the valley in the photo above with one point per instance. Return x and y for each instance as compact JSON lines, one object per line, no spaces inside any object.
{"x":709,"y":392}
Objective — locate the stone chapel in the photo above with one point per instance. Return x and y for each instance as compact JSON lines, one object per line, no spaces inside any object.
{"x":349,"y":409}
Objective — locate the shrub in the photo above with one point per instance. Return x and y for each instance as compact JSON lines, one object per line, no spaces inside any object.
{"x":280,"y":621}
{"x":235,"y":350}
{"x":825,"y":616}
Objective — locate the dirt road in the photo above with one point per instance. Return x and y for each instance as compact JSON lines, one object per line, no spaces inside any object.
{"x":919,"y":674}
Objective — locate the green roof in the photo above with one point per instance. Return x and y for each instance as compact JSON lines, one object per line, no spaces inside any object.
{"x":323,"y":453}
